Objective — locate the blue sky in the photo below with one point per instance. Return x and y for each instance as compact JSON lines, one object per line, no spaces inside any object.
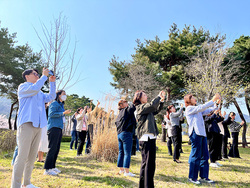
{"x":110,"y":27}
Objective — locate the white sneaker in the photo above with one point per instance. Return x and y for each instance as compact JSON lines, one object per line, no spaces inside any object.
{"x":56,"y":170}
{"x":129,"y":174}
{"x":50,"y":172}
{"x":218,"y":164}
{"x":30,"y":186}
{"x":197,"y":182}
{"x":121,"y":171}
{"x":214,"y":165}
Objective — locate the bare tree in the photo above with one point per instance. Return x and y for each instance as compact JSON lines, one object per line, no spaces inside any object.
{"x":55,"y":44}
{"x":206,"y":75}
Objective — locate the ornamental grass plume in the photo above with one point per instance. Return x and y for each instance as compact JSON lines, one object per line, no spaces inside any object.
{"x":105,"y":144}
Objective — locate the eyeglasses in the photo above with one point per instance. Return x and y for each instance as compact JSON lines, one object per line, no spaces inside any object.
{"x":36,"y":74}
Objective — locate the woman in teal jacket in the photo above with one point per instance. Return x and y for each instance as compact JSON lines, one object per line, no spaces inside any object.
{"x":55,"y":125}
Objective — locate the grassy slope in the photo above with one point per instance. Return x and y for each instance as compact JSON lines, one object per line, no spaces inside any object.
{"x":84,"y":172}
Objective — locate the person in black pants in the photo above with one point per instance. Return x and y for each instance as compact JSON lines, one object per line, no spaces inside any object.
{"x":55,"y":126}
{"x":81,"y":128}
{"x":147,"y":133}
{"x":176,"y":130}
{"x":226,"y":135}
{"x":181,"y":122}
{"x":234,"y":129}
{"x":211,"y":123}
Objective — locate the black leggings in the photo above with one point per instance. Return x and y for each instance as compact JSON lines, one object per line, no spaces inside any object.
{"x":54,"y":137}
{"x":176,"y":131}
{"x":234,"y":151}
{"x":82,"y":137}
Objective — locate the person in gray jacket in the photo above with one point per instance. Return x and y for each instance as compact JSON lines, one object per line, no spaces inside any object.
{"x":176,"y":130}
{"x":147,"y":133}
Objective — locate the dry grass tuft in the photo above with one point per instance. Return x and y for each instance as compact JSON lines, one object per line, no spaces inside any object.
{"x":105,"y":143}
{"x":7,"y":140}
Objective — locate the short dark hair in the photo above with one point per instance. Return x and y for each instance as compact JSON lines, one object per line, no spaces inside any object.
{"x":78,"y":110}
{"x":137,"y":97}
{"x":59,"y":92}
{"x":231,"y":113}
{"x":28,"y":72}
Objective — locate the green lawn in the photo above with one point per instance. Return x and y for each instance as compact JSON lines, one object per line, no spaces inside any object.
{"x":85,"y":172}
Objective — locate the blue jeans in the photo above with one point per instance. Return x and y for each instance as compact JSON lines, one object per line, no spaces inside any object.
{"x":88,"y":144}
{"x":198,"y":159}
{"x":14,"y":155}
{"x":74,"y":137}
{"x":137,"y":144}
{"x":125,"y":140}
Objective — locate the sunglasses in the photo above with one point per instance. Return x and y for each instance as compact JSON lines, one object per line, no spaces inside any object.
{"x":36,"y":74}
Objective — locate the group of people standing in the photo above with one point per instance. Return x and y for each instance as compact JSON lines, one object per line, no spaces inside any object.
{"x":83,"y":123}
{"x":217,"y":129}
{"x":203,"y":124}
{"x":138,"y":118}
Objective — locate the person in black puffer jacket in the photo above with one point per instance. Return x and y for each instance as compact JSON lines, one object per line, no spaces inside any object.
{"x":125,"y":124}
{"x":213,"y":135}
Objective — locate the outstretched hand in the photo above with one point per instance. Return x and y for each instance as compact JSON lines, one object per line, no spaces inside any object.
{"x":67,"y":112}
{"x":162,"y":94}
{"x":45,"y":71}
{"x":216,"y":97}
{"x":52,"y":78}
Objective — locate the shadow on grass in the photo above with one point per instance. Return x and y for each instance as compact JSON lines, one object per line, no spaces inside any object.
{"x":234,"y":168}
{"x":183,"y":180}
{"x":108,"y":180}
{"x":174,"y":179}
{"x":5,"y":170}
{"x":73,"y":170}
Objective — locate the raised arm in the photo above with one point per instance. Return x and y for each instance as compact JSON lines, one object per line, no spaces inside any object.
{"x":227,"y":121}
{"x":149,"y":107}
{"x":52,"y":92}
{"x":80,"y":115}
{"x":160,"y":107}
{"x":177,"y":114}
{"x":29,"y":90}
{"x":196,"y":109}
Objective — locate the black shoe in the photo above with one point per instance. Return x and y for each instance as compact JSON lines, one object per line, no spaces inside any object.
{"x":206,"y":180}
{"x":177,"y":161}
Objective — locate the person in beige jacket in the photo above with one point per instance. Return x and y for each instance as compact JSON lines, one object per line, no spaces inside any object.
{"x":81,"y":128}
{"x":91,"y":116}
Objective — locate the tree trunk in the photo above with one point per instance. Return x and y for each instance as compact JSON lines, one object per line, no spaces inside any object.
{"x":163,"y":136}
{"x":11,"y":110}
{"x":244,"y":140}
{"x":168,"y":93}
{"x":247,"y":104}
{"x":15,"y":127}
